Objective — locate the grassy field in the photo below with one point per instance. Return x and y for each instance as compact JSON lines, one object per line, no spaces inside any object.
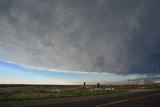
{"x":33,"y":92}
{"x":19,"y":93}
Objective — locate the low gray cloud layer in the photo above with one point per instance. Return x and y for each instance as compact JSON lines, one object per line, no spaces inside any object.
{"x":113,"y":36}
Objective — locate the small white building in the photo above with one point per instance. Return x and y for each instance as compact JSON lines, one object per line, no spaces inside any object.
{"x":109,"y":88}
{"x":55,"y":90}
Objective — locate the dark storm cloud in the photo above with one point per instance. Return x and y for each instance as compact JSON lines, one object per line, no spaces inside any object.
{"x":114,"y":36}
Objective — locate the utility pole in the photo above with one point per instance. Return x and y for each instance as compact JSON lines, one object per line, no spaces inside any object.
{"x":157,"y":72}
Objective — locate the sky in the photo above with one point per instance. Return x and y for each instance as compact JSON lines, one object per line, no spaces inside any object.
{"x":72,"y":41}
{"x":15,"y":74}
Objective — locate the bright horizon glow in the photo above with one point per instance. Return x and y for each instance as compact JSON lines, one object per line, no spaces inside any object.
{"x":12,"y":73}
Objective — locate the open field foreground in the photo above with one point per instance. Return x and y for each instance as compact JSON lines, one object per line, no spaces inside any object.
{"x":35,"y":92}
{"x":139,"y":98}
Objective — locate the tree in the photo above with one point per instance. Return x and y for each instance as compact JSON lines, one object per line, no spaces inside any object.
{"x":84,"y":83}
{"x":98,"y":85}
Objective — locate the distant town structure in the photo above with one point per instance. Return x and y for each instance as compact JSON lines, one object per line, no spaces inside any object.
{"x":157,"y":81}
{"x":142,"y":81}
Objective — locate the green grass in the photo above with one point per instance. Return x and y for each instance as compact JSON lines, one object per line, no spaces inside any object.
{"x":35,"y":93}
{"x":153,"y":86}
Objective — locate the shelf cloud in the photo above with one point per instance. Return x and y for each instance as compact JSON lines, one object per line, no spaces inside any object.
{"x":102,"y":36}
